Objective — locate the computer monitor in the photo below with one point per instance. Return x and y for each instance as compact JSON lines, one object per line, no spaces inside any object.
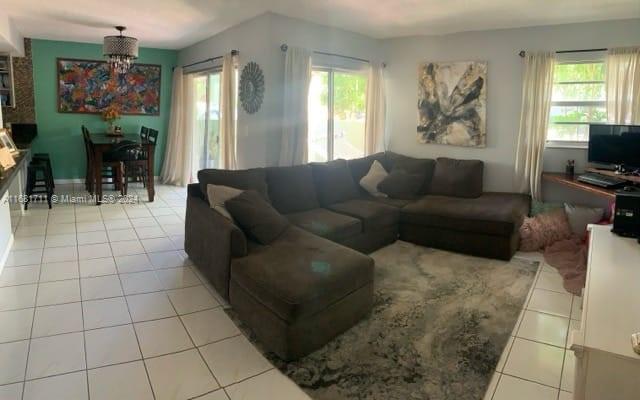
{"x":614,"y":144}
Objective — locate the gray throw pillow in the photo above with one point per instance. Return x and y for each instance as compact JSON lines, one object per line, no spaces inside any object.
{"x":218,"y":195}
{"x":580,"y":217}
{"x":256,"y":216}
{"x":372,"y":179}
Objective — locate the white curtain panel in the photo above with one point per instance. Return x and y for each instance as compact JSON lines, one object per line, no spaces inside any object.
{"x":537,"y":87}
{"x":228,"y":99}
{"x":297,"y":78}
{"x":623,"y":85}
{"x":376,"y":110}
{"x":176,"y":169}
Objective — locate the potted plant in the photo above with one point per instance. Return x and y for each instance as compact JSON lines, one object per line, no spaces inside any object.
{"x":110,"y":115}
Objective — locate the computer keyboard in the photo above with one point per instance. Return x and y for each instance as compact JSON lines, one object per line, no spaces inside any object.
{"x":604,"y":181}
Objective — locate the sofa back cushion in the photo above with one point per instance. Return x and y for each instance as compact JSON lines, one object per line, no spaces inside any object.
{"x":334,"y":182}
{"x":243,"y":179}
{"x":400,"y":184}
{"x":457,"y":178}
{"x":256,"y":216}
{"x":291,"y":189}
{"x":412,"y":166}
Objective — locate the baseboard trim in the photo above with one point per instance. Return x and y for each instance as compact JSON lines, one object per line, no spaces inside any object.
{"x":81,"y":180}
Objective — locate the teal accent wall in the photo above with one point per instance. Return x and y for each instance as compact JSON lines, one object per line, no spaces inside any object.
{"x":59,"y":133}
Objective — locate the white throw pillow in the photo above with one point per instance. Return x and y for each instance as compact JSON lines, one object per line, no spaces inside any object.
{"x":372,"y":179}
{"x":218,"y":195}
{"x":580,"y":217}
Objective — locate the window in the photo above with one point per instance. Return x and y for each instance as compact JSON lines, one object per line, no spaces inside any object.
{"x":337,"y":106}
{"x":578,"y":99}
{"x":206,"y":153}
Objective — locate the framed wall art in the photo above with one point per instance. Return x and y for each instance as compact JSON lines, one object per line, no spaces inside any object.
{"x":452,"y":103}
{"x":89,"y":86}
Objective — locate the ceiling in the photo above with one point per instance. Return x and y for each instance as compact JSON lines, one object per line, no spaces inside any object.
{"x":175,"y":24}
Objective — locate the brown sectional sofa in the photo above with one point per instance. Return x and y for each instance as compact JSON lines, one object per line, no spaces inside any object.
{"x":314,"y":282}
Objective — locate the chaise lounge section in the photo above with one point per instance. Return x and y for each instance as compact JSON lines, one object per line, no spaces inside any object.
{"x":315,"y":280}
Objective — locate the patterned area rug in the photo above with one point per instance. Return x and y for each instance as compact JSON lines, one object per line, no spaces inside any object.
{"x":439,"y":323}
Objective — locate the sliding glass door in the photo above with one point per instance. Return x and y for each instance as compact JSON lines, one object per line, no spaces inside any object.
{"x":337,"y":106}
{"x":206,"y":135}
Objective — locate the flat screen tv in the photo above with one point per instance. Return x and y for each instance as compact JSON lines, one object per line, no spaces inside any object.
{"x":614,"y":144}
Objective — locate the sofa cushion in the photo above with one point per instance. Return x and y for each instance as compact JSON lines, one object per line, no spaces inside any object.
{"x":256,"y":216}
{"x":334,"y":182}
{"x":243,"y":179}
{"x":326,"y":223}
{"x":400,"y":184}
{"x":492,"y":213}
{"x":291,"y":189}
{"x":359,"y":167}
{"x":373,"y":215}
{"x":397,"y":203}
{"x":458,"y":178}
{"x":411,"y":165}
{"x":301,"y":274}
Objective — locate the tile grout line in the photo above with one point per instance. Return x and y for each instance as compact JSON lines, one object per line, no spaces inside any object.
{"x":84,"y":335}
{"x":193,"y":341}
{"x":33,"y":318}
{"x":135,"y":332}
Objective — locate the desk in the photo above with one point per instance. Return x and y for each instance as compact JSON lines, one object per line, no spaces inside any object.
{"x":572,"y":181}
{"x":103,"y":142}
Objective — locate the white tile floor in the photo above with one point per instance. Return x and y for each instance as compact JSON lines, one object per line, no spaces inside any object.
{"x":536,"y":364}
{"x":102,"y":303}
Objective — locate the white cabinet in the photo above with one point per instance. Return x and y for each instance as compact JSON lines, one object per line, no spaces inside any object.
{"x":607,"y":368}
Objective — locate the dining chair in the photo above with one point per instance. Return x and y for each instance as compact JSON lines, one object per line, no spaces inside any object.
{"x":111,"y":167}
{"x":144,"y":133}
{"x":130,"y":154}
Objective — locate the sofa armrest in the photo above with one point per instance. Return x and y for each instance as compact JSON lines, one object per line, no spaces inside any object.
{"x":211,"y":240}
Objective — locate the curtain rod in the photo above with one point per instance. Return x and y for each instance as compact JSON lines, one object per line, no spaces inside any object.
{"x":284,"y":48}
{"x":233,"y":53}
{"x":522,"y":52}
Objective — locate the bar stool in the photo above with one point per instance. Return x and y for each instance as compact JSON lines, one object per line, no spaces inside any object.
{"x":38,"y":184}
{"x":45,"y":157}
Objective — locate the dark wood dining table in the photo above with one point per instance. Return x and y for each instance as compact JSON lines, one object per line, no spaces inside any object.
{"x":103,"y":142}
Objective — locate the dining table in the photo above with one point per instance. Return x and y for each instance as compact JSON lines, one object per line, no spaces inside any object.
{"x":103,"y":142}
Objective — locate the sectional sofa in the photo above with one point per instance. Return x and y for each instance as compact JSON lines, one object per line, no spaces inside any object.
{"x":315,"y":280}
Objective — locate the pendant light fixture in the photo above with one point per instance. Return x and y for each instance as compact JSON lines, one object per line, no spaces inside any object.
{"x":120,"y":51}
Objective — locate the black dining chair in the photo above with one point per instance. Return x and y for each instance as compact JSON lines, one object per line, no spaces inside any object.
{"x":111,"y":167}
{"x":130,"y":154}
{"x":144,"y":133}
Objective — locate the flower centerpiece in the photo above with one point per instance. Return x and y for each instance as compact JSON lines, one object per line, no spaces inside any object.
{"x":110,"y":114}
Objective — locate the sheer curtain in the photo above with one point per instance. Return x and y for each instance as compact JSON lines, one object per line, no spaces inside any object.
{"x":228,"y":97}
{"x":297,"y":78}
{"x":537,"y":87}
{"x":376,"y":110}
{"x":623,"y":85}
{"x":176,"y":169}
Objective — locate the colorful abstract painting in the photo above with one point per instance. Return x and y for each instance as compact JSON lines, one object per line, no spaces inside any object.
{"x":452,"y":103}
{"x":86,"y":86}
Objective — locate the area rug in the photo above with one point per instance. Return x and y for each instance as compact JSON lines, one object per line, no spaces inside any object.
{"x":439,"y":323}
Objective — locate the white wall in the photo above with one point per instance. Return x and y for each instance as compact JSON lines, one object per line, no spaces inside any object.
{"x":259,"y":40}
{"x":250,"y":38}
{"x":499,"y":48}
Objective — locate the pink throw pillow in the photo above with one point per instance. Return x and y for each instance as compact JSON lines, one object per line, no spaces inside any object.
{"x":544,"y":229}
